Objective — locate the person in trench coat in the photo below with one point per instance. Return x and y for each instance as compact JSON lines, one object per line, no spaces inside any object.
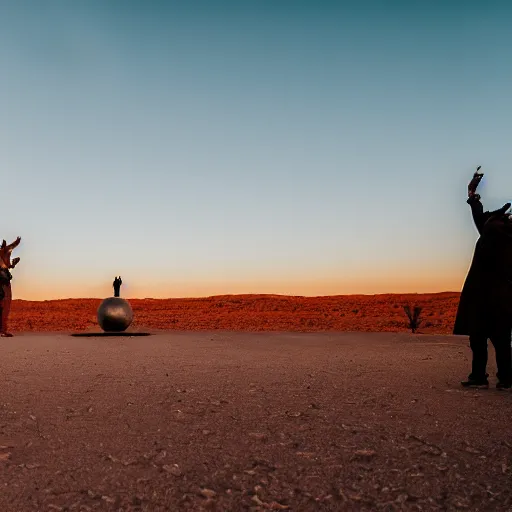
{"x":5,"y":283}
{"x":485,"y":307}
{"x":117,"y":286}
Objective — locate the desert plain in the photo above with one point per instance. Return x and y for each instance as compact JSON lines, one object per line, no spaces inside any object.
{"x":198,"y":418}
{"x":367,"y":313}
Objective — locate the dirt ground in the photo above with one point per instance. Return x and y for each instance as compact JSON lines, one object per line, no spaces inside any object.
{"x":249,"y":421}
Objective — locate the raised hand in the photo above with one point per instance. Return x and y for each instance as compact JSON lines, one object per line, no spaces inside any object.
{"x":5,"y":253}
{"x":14,"y":244}
{"x":475,"y":181}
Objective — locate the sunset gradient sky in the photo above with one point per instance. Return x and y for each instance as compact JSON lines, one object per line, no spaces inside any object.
{"x":210,"y":147}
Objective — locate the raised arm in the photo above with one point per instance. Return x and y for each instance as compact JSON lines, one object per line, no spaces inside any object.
{"x":479,"y":216}
{"x":477,"y":210}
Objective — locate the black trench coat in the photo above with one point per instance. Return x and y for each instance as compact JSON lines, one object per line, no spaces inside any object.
{"x":5,"y":279}
{"x":488,"y":286}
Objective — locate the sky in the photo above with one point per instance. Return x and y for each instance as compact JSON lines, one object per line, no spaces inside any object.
{"x":215,"y":147}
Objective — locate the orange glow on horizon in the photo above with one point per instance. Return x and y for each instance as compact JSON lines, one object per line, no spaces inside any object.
{"x":181,"y":289}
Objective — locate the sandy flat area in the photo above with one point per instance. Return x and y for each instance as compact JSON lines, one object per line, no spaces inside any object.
{"x":249,"y":421}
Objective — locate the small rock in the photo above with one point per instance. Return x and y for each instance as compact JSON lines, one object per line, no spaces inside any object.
{"x":277,"y":506}
{"x":161,"y":456}
{"x":308,"y":455}
{"x":256,"y":499}
{"x":365,"y":453}
{"x":402,"y":498}
{"x":5,"y":456}
{"x":258,"y":435}
{"x":108,"y":499}
{"x":173,"y":469}
{"x":208,"y":493}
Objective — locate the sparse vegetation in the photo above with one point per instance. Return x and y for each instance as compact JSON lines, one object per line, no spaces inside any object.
{"x":413,"y":317}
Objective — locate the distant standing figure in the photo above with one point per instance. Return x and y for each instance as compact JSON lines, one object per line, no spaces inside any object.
{"x":117,"y":286}
{"x":485,"y":307}
{"x":5,"y":283}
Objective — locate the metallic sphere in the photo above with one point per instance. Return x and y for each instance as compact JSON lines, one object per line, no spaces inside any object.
{"x":115,"y":314}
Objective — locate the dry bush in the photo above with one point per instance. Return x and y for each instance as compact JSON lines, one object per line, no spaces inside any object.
{"x":413,"y":317}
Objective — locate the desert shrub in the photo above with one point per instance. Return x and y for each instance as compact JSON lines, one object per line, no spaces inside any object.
{"x":355,"y":311}
{"x":413,"y":316}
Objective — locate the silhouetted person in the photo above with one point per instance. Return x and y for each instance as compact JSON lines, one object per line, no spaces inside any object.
{"x":117,"y":286}
{"x":485,"y":308}
{"x":5,"y":283}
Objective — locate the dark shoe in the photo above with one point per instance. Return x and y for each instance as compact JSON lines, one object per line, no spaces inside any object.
{"x":503,"y":386}
{"x":471,"y":383}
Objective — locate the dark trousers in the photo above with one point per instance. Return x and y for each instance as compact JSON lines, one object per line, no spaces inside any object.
{"x":499,"y":332}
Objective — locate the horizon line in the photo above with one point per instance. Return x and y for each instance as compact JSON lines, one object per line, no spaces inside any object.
{"x":246,"y":295}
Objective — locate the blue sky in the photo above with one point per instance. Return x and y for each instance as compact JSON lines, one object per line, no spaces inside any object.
{"x":201,"y":148}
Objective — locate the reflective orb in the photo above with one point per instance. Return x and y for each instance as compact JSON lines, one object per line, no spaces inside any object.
{"x":115,"y":314}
